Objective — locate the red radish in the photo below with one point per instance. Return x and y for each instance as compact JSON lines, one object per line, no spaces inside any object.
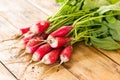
{"x":26,"y":38}
{"x":41,"y":51}
{"x":24,"y":30}
{"x":33,"y":44}
{"x":57,"y":42}
{"x":61,"y":32}
{"x":44,"y":35}
{"x":51,"y":57}
{"x":40,"y":27}
{"x":66,"y":54}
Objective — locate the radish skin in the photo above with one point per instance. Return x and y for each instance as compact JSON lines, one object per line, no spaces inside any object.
{"x":40,"y":27}
{"x":41,"y":51}
{"x":57,"y":42}
{"x":61,"y":32}
{"x":51,"y":57}
{"x":24,"y":30}
{"x":33,"y":44}
{"x":25,"y":40}
{"x":66,"y":54}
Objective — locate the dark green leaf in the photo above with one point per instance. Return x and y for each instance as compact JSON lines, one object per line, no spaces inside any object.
{"x":115,"y":30}
{"x":91,"y":4}
{"x":105,"y":43}
{"x":101,"y":32}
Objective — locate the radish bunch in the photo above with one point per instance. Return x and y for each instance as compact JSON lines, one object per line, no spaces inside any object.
{"x":46,"y":48}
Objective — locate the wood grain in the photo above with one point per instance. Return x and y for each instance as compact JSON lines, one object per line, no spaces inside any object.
{"x":20,"y":13}
{"x":49,"y":7}
{"x":4,"y":74}
{"x":90,"y":64}
{"x":114,"y":55}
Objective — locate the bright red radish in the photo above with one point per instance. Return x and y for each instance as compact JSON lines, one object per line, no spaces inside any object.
{"x":40,"y":27}
{"x":24,"y":30}
{"x":51,"y":57}
{"x":33,"y":44}
{"x":41,"y":51}
{"x":57,"y":42}
{"x":66,"y":54}
{"x":61,"y":32}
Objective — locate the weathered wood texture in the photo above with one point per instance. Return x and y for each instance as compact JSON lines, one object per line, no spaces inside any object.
{"x":87,"y":63}
{"x":5,"y":74}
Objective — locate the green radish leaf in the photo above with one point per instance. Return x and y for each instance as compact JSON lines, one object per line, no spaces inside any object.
{"x":101,"y":32}
{"x":115,"y":30}
{"x":111,"y":19}
{"x":104,"y":9}
{"x":92,"y":4}
{"x":105,"y":43}
{"x":113,"y":1}
{"x":60,"y":1}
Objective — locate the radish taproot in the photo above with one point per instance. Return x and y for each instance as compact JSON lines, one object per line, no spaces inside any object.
{"x":66,"y":54}
{"x":51,"y":57}
{"x":41,"y":51}
{"x":40,"y":27}
{"x":19,"y":35}
{"x":57,"y":42}
{"x":61,"y":32}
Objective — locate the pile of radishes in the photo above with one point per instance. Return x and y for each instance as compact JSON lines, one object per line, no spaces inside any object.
{"x":46,"y":48}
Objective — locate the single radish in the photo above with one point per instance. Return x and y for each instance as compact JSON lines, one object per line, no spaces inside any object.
{"x":26,"y":38}
{"x":24,"y":30}
{"x":57,"y":42}
{"x":33,"y":44}
{"x":61,"y":32}
{"x":41,"y":51}
{"x":19,"y":35}
{"x":40,"y":27}
{"x":51,"y":57}
{"x":66,"y":54}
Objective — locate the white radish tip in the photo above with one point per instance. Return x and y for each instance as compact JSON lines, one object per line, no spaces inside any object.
{"x":53,"y":42}
{"x":35,"y":57}
{"x":34,"y":29}
{"x":63,"y":58}
{"x":46,"y":60}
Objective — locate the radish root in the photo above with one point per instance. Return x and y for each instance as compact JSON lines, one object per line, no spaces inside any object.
{"x":56,"y":66}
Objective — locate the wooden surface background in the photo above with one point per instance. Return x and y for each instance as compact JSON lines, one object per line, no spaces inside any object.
{"x":87,"y":63}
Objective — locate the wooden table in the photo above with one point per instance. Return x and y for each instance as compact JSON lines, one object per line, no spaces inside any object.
{"x":87,"y":63}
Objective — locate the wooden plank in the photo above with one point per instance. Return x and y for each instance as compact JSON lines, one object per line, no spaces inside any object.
{"x":90,"y":64}
{"x":114,"y":55}
{"x":48,"y":6}
{"x":5,"y":74}
{"x":20,"y":13}
{"x":18,"y":68}
{"x":6,"y":30}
